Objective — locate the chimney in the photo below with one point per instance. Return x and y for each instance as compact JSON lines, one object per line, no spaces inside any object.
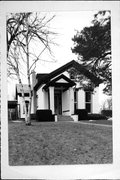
{"x":33,"y":79}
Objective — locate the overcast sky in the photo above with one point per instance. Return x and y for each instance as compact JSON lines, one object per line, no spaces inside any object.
{"x":65,"y":24}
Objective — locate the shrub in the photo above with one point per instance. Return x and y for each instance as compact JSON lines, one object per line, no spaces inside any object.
{"x":33,"y":116}
{"x":44,"y":115}
{"x":107,"y":113}
{"x":96,"y":117}
{"x":82,"y":114}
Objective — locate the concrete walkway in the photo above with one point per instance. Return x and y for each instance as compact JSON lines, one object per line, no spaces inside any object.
{"x":94,"y":124}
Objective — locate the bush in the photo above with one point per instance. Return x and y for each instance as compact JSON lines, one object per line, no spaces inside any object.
{"x":82,"y":114}
{"x":96,"y":117}
{"x":107,"y":113}
{"x":44,"y":115}
{"x":33,"y":116}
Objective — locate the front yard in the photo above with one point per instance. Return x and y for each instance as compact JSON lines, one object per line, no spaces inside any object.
{"x":59,"y":143}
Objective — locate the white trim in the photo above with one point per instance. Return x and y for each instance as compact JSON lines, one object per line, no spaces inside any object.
{"x":61,"y":81}
{"x":51,"y":95}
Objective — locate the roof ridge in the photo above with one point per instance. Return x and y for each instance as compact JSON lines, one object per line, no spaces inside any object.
{"x":61,"y":69}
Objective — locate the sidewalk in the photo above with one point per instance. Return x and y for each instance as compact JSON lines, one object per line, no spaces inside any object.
{"x":104,"y":123}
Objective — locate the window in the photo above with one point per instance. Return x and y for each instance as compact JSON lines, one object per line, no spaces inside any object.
{"x":88,"y":101}
{"x":75,"y":100}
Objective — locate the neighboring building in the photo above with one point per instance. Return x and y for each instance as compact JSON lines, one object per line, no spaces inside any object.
{"x":21,"y":108}
{"x":61,"y":94}
{"x":13,"y":110}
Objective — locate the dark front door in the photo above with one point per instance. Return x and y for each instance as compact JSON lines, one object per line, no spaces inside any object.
{"x":58,"y":103}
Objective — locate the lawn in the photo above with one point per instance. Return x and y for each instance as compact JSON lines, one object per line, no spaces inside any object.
{"x":59,"y":143}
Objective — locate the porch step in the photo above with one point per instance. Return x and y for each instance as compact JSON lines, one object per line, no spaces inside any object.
{"x":64,"y":118}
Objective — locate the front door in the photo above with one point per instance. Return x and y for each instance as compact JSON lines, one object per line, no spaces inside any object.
{"x":58,"y":103}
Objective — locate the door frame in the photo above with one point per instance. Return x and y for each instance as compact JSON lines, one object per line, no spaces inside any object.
{"x":58,"y":102}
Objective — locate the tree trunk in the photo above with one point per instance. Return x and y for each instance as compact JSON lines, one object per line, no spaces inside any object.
{"x":28,"y":122}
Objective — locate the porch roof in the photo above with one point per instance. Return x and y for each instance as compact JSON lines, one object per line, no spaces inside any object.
{"x":68,"y":83}
{"x":60,"y":70}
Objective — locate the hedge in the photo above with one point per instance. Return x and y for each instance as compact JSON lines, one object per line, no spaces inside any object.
{"x":107,"y":113}
{"x":96,"y":117}
{"x":44,"y":115}
{"x":33,"y":116}
{"x":82,"y":114}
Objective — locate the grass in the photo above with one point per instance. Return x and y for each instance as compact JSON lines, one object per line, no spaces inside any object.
{"x":59,"y":143}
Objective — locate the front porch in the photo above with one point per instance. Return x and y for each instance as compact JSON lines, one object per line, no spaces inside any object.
{"x":60,"y":92}
{"x":61,"y":101}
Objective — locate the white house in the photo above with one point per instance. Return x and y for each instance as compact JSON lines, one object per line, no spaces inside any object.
{"x":21,"y":108}
{"x":60,"y":92}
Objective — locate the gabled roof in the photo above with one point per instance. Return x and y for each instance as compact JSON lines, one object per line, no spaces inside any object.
{"x":60,"y":70}
{"x":55,"y":82}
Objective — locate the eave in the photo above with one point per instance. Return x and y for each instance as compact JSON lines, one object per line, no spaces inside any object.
{"x":65,"y":67}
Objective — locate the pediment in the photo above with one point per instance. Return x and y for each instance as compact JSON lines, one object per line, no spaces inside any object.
{"x":61,"y":80}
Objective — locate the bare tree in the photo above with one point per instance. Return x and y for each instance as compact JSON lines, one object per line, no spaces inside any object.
{"x":23,"y":30}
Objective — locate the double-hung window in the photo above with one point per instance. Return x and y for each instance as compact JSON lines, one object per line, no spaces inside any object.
{"x":75,"y":100}
{"x":88,"y":101}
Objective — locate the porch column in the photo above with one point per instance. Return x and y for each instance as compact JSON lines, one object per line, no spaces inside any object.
{"x":51,"y":99}
{"x":34,"y":103}
{"x":71,"y":93}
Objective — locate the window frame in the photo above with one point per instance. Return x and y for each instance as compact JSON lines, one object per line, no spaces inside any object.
{"x":89,"y":102}
{"x":75,"y":99}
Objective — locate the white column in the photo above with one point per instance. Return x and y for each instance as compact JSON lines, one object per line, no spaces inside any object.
{"x":51,"y":93}
{"x":71,"y":93}
{"x":34,"y":103}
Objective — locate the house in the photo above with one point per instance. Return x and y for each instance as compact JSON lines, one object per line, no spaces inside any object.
{"x":13,"y":110}
{"x":19,"y":99}
{"x":59,"y":92}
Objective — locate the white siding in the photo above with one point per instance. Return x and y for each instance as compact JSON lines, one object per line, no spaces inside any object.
{"x":71,"y":100}
{"x":45,"y":99}
{"x":81,"y":99}
{"x":51,"y":91}
{"x":61,"y":81}
{"x":64,"y":73}
{"x":95,"y":101}
{"x":42,"y":98}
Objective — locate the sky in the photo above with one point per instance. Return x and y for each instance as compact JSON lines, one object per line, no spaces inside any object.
{"x":65,"y":24}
